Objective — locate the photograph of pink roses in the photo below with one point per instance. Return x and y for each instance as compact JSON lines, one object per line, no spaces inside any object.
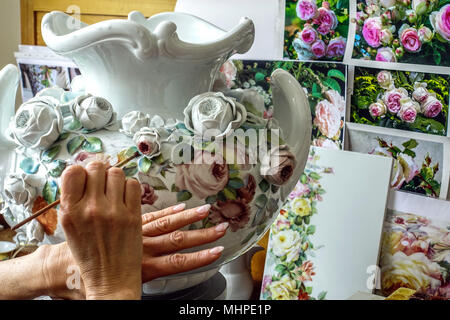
{"x":415,"y":254}
{"x":406,"y":31}
{"x":316,"y":30}
{"x":324,"y":85}
{"x":401,"y":100}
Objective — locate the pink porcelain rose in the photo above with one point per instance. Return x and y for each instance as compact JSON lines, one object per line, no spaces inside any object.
{"x":327,"y":19}
{"x":372,"y":31}
{"x":386,"y":54}
{"x":328,"y":119}
{"x":440,"y":20}
{"x":319,"y":48}
{"x":392,"y":99}
{"x":306,"y":9}
{"x":409,"y":38}
{"x":431,"y":107}
{"x":308,"y":34}
{"x":207,"y":176}
{"x":336,"y":47}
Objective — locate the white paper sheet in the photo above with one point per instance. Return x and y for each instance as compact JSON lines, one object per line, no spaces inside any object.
{"x":267,"y":15}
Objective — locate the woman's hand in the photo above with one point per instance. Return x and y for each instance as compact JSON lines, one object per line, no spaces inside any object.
{"x":101,"y":217}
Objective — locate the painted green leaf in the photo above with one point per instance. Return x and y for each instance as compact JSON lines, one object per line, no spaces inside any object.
{"x":211,"y":199}
{"x":230,"y":194}
{"x":259,"y":77}
{"x":261,"y":201}
{"x":74,"y":144}
{"x":311,"y":230}
{"x":315,"y":91}
{"x":274,"y":188}
{"x":236,"y":183}
{"x":260,"y":217}
{"x":264,"y":185}
{"x":334,"y":73}
{"x":50,"y":191}
{"x":174,"y":188}
{"x":322,"y":295}
{"x":93,"y":145}
{"x":183,"y":196}
{"x":56,"y":168}
{"x":156,"y":183}
{"x":49,"y":155}
{"x":144,"y":164}
{"x":130,"y":169}
{"x":332,"y":84}
{"x":234,"y":174}
{"x":29,"y":166}
{"x":410,"y":144}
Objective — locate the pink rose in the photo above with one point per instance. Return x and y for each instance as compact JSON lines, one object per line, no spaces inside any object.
{"x":336,"y":47}
{"x":207,"y":176}
{"x":372,"y":31}
{"x":308,"y":34}
{"x":327,"y":20}
{"x":409,"y":37}
{"x":336,"y":100}
{"x":386,"y":54}
{"x":377,"y":109}
{"x":318,"y":48}
{"x":328,"y":119}
{"x":226,"y":76}
{"x":408,"y":110}
{"x":392,"y":99}
{"x":420,"y":93}
{"x":235,"y":212}
{"x":148,"y":194}
{"x":306,"y":9}
{"x":441,"y":21}
{"x":325,"y":143}
{"x":431,"y":107}
{"x":278,"y":165}
{"x":425,"y":34}
{"x":299,"y":191}
{"x":384,"y":79}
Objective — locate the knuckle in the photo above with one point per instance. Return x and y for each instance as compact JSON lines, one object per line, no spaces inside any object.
{"x":147,"y":218}
{"x":177,"y":239}
{"x":134,"y":185}
{"x":178,"y":260}
{"x":73,"y":171}
{"x":116,"y":173}
{"x":95,"y":166}
{"x":162,"y":224}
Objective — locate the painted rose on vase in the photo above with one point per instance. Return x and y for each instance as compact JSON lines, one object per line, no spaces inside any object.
{"x":324,"y":84}
{"x":401,"y":100}
{"x":416,"y":31}
{"x":316,"y":30}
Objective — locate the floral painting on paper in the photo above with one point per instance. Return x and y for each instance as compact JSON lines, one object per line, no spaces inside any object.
{"x":406,"y":31}
{"x":324,"y":84}
{"x":316,"y":29}
{"x":401,"y":100}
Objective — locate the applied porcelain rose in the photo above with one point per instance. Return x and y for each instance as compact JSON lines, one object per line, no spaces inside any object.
{"x":154,"y":65}
{"x":9,"y":81}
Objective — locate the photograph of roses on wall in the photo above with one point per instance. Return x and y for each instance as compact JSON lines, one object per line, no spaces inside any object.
{"x":417,"y":164}
{"x":407,"y":31}
{"x":324,"y":84}
{"x":401,"y":100}
{"x":316,"y":29}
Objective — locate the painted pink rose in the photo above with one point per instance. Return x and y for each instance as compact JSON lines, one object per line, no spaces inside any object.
{"x":299,"y":191}
{"x":306,"y":9}
{"x":325,"y":143}
{"x":247,"y":193}
{"x":336,"y":100}
{"x":431,"y":107}
{"x":235,"y":212}
{"x":377,"y":109}
{"x":385,"y":79}
{"x":408,"y":111}
{"x":386,"y":54}
{"x":207,"y":176}
{"x":336,"y":47}
{"x":148,"y":194}
{"x":308,"y":34}
{"x":327,"y":19}
{"x":278,"y":165}
{"x":425,"y":34}
{"x":328,"y":119}
{"x":372,"y":31}
{"x":440,"y":20}
{"x":392,"y":99}
{"x":409,"y":38}
{"x":318,"y":48}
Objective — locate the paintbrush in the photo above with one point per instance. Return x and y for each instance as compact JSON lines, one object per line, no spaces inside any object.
{"x":57,"y":202}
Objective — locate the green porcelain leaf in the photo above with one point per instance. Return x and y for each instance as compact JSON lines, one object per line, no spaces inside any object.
{"x":50,"y":155}
{"x":29,"y":166}
{"x":74,"y":144}
{"x":50,"y":191}
{"x":93,"y":145}
{"x":144,"y":164}
{"x":56,"y":168}
{"x":183,"y":196}
{"x":130,"y":169}
{"x":63,"y":136}
{"x":74,"y":125}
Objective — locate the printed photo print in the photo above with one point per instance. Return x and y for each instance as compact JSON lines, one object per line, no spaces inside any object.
{"x":401,"y":100}
{"x":316,"y":30}
{"x":418,"y":164}
{"x":415,"y":31}
{"x":324,"y":84}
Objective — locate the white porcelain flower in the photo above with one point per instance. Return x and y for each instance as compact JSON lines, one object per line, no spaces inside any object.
{"x":20,"y":189}
{"x":213,"y":115}
{"x":251,"y":99}
{"x":38,"y":123}
{"x":148,"y":141}
{"x":94,"y":113}
{"x":134,"y":121}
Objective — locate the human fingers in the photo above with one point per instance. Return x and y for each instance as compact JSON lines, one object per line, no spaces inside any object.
{"x":151,"y":216}
{"x":96,"y":179}
{"x":115,"y":185}
{"x":174,"y":222}
{"x":133,"y":196}
{"x":73,"y":183}
{"x":180,"y":240}
{"x":162,"y":266}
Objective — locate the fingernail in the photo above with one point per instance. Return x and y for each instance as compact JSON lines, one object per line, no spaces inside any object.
{"x":179,"y":207}
{"x":222,"y":227}
{"x":217,"y":250}
{"x":204,"y":209}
